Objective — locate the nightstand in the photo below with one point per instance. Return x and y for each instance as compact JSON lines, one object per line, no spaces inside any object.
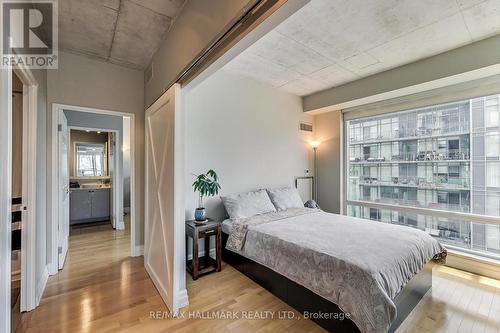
{"x":203,"y":265}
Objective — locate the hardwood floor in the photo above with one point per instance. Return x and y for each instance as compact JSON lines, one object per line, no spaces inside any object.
{"x":458,"y":302}
{"x":102,"y":289}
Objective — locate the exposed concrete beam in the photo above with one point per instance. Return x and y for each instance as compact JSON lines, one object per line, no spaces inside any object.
{"x":198,"y":23}
{"x":478,"y":58}
{"x":114,"y":30}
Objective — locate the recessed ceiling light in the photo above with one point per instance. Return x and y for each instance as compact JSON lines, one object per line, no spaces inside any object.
{"x":98,"y":132}
{"x":88,"y":131}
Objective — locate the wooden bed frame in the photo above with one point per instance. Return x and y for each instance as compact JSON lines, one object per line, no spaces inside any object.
{"x":302,"y":299}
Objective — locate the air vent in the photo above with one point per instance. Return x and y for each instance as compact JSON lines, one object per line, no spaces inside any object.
{"x":306,"y":127}
{"x":148,"y":73}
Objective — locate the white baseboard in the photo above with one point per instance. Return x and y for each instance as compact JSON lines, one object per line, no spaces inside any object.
{"x":138,"y":251}
{"x":52,"y":268}
{"x":182,"y":299}
{"x":120,"y":225}
{"x":40,"y":288}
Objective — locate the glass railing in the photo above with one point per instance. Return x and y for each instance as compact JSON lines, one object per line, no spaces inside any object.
{"x":462,"y":208}
{"x":422,"y":156}
{"x":465,"y":236}
{"x":441,"y":182}
{"x":412,"y":134}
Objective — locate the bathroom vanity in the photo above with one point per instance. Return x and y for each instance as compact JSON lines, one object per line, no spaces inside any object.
{"x":89,"y":205}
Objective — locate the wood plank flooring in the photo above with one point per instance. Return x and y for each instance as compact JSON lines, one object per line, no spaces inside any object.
{"x":102,"y":289}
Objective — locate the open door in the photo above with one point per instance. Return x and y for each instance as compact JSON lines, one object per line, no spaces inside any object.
{"x":164,"y":210}
{"x":63,"y":143}
{"x":115,"y":172}
{"x":111,"y":173}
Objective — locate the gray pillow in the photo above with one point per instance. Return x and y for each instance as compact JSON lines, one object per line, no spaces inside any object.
{"x":285,"y":198}
{"x":248,"y":204}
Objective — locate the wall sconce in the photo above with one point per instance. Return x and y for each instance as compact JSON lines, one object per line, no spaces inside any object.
{"x":315,"y":144}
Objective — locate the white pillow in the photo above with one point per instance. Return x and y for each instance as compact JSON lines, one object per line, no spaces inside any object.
{"x":248,"y":204}
{"x":285,"y":198}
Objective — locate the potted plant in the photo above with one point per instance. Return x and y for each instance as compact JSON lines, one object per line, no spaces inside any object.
{"x":207,"y":185}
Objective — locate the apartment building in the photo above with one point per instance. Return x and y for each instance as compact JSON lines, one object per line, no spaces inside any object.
{"x":441,"y":157}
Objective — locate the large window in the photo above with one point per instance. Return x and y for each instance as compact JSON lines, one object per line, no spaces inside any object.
{"x":90,"y":159}
{"x":441,"y":162}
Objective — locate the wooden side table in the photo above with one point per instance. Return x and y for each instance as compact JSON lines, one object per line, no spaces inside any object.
{"x":206,"y":264}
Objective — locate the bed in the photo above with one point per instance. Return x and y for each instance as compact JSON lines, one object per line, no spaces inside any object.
{"x":346,"y":274}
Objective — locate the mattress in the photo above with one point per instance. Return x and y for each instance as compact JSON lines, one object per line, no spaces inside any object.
{"x":360,"y":265}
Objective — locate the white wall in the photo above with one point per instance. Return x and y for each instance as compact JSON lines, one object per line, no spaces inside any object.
{"x":91,"y":83}
{"x":247,"y":132}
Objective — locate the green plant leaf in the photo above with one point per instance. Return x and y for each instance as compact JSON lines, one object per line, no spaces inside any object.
{"x":207,"y":184}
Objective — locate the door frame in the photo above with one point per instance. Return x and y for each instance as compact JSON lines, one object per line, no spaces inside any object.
{"x":116,"y":180}
{"x":30,"y":291}
{"x":55,"y":109}
{"x":5,"y":197}
{"x":29,"y":297}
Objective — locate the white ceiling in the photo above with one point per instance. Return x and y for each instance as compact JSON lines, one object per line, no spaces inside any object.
{"x":331,"y":42}
{"x":124,"y":32}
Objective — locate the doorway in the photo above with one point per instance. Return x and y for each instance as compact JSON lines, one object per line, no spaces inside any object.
{"x":93,"y":181}
{"x":88,"y":181}
{"x":17,"y":194}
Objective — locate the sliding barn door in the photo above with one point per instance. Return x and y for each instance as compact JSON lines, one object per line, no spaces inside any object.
{"x":164,"y":225}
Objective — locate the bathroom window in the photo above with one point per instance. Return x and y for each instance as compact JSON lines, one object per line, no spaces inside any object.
{"x":90,"y":159}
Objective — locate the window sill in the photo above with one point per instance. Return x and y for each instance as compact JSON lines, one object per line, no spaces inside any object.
{"x":473,"y":264}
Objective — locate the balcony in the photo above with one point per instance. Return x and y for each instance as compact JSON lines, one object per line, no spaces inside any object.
{"x":461,"y":235}
{"x":412,"y":135}
{"x":462,"y":155}
{"x":436,"y":183}
{"x":462,"y":208}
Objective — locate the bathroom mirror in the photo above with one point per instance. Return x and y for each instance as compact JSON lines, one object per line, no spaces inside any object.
{"x":91,"y":159}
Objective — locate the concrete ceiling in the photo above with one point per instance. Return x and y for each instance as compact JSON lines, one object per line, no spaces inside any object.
{"x":331,"y":42}
{"x":123,"y":32}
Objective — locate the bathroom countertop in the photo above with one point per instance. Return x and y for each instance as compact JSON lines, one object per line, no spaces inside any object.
{"x":89,"y":188}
